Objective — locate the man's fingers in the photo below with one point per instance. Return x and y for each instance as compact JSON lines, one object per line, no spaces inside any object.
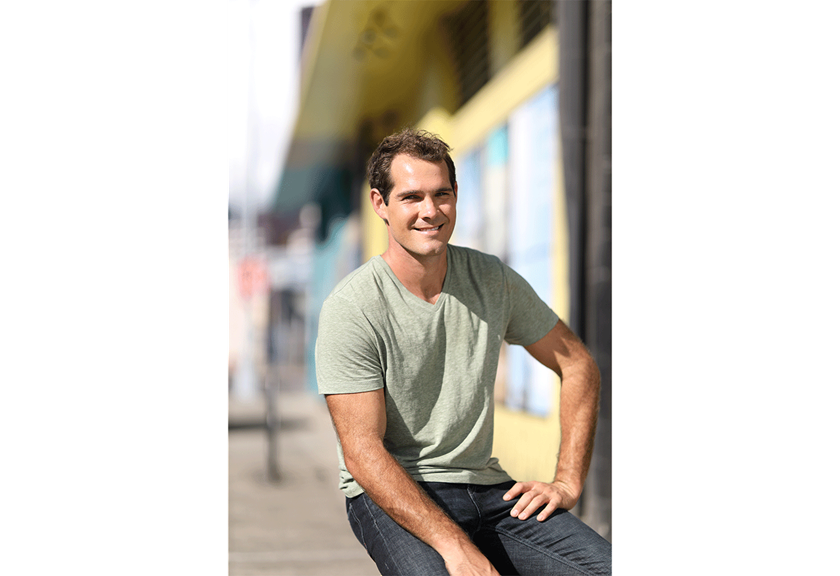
{"x":514,"y":491}
{"x":547,"y":511}
{"x":535,"y":495}
{"x":526,"y":508}
{"x":522,"y":504}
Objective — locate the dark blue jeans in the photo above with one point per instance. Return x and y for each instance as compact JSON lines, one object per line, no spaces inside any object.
{"x":560,"y":545}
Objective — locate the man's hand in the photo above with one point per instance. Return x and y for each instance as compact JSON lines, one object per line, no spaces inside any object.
{"x":464,"y":559}
{"x":554,"y":496}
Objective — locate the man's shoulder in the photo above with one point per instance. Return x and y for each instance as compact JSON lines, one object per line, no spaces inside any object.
{"x":361,"y":289}
{"x":473,"y":264}
{"x":473,"y":257}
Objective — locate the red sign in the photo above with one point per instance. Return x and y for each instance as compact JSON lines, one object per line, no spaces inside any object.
{"x":253,"y":277}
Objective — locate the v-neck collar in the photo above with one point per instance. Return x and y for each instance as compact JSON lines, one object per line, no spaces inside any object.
{"x":408,"y":295}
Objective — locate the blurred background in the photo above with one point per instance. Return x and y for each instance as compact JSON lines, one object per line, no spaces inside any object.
{"x":521,"y":90}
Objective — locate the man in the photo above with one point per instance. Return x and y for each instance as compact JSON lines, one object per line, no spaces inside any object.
{"x":407,"y":351}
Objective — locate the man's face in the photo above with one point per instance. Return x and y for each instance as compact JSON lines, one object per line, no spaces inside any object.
{"x":421,"y":208}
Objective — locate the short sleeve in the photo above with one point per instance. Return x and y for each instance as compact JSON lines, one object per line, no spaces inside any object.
{"x":530,"y":318}
{"x":346,"y":355}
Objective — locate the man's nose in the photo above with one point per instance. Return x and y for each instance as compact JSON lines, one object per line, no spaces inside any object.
{"x":428,"y":208}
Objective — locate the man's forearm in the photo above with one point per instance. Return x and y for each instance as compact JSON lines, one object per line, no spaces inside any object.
{"x":564,"y":353}
{"x":395,"y":491}
{"x":579,"y":400}
{"x":360,"y":423}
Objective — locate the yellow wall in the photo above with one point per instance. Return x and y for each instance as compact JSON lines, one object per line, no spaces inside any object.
{"x":374,"y":233}
{"x":534,"y":68}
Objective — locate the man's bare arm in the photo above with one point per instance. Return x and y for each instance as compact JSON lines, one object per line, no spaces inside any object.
{"x":360,"y":421}
{"x":564,"y":353}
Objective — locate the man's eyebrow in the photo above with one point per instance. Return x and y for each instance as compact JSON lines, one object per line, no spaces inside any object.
{"x":405,"y":193}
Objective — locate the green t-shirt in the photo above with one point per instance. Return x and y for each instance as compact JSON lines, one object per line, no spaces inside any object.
{"x":437,"y":362}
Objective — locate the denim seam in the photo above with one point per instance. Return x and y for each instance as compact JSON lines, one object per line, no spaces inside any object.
{"x":478,"y":509}
{"x":359,"y":524}
{"x":535,"y":548}
{"x":381,"y":535}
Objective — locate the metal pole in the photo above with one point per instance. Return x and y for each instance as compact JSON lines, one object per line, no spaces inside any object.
{"x":571,"y":27}
{"x":598,"y":279}
{"x":272,"y":424}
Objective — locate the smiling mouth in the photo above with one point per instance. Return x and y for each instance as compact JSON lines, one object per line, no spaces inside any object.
{"x":435,"y":229}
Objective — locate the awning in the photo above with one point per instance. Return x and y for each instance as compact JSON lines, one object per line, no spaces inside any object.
{"x":368,"y":68}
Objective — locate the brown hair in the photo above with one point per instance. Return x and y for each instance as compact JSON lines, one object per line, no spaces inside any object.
{"x":417,"y":144}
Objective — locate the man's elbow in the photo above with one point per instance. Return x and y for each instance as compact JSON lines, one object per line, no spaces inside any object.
{"x":594,"y":371}
{"x":360,"y":454}
{"x":581,"y":376}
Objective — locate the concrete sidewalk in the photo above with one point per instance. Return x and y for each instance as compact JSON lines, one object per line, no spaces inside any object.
{"x":295,"y":526}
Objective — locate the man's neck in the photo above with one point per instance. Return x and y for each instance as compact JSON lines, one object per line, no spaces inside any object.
{"x":423,"y":277}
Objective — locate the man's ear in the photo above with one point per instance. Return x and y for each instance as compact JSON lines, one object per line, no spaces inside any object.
{"x":378,"y":204}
